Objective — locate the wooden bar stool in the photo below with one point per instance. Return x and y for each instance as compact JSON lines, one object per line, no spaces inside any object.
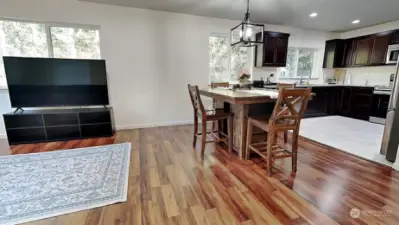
{"x":279,"y":87}
{"x":209,"y":115}
{"x":216,"y":106}
{"x":286,"y":116}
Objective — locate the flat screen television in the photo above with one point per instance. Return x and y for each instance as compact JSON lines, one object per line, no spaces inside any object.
{"x":45,"y":82}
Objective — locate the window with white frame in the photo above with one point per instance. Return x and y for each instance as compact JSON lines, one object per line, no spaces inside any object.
{"x":300,"y":63}
{"x":34,"y":39}
{"x":227,"y":63}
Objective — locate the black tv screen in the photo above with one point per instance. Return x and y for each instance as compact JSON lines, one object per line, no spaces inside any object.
{"x":42,"y":82}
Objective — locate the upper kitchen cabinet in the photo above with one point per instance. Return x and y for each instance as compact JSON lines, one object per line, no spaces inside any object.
{"x":362,"y":51}
{"x":348,"y":52}
{"x":395,"y":38}
{"x":338,"y":53}
{"x":334,"y":54}
{"x":368,"y":50}
{"x":273,"y":51}
{"x":379,"y":49}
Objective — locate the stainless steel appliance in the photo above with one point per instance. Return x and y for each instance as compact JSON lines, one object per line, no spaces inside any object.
{"x":379,"y":105}
{"x":390,"y":140}
{"x":392,"y":54}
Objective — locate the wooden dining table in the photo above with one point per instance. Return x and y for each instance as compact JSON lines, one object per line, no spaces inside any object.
{"x":243,"y":103}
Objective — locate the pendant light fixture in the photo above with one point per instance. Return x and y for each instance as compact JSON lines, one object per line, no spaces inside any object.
{"x":247,"y":33}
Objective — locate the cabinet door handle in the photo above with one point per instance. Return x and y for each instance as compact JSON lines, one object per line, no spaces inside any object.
{"x":379,"y":102}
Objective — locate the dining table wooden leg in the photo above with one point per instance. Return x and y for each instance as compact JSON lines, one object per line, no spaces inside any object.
{"x":230,"y":133}
{"x":242,"y":125}
{"x":249,"y":141}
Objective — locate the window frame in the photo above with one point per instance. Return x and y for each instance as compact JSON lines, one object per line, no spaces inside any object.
{"x":313,"y":75}
{"x":48,"y":26}
{"x":250,"y":56}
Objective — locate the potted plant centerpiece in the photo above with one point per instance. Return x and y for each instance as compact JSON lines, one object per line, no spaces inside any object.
{"x":244,"y":80}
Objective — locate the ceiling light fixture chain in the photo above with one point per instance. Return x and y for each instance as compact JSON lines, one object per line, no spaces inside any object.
{"x":247,"y":18}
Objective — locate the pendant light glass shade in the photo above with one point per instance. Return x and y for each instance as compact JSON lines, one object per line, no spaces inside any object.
{"x":247,"y":33}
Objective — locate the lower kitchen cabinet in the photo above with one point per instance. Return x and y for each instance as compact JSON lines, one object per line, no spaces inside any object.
{"x":318,"y":106}
{"x":325,"y":101}
{"x":379,"y":106}
{"x":344,"y":108}
{"x":361,"y":101}
{"x":355,"y":102}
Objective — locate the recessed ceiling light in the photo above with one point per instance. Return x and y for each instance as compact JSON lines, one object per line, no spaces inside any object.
{"x":313,"y":15}
{"x":356,"y":21}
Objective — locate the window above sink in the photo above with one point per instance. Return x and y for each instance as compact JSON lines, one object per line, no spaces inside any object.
{"x":301,"y":62}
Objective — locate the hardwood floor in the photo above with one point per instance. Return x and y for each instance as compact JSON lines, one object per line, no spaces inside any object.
{"x":170,"y":184}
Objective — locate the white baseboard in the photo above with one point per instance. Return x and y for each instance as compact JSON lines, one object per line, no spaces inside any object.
{"x":395,"y":166}
{"x":129,"y":127}
{"x":3,"y":136}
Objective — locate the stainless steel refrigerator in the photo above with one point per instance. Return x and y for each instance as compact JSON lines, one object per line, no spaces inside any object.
{"x":390,"y":140}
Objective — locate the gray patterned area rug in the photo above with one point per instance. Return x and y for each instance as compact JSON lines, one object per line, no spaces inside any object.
{"x":41,"y":185}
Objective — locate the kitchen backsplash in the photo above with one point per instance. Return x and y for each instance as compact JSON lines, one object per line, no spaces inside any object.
{"x":375,"y":75}
{"x":263,"y":72}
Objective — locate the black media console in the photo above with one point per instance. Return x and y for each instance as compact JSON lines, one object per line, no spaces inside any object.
{"x":32,"y":126}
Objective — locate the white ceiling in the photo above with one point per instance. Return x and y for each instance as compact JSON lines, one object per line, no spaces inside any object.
{"x":334,"y":15}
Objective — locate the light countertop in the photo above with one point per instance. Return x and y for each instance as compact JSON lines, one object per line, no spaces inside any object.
{"x":241,"y":96}
{"x":325,"y":85}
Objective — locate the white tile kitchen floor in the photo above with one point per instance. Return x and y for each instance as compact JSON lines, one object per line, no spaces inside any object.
{"x":358,"y":137}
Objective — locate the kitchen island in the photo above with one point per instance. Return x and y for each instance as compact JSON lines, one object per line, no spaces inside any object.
{"x":243,"y":103}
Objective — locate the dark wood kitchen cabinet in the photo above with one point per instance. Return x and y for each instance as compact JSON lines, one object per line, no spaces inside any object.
{"x":379,"y":106}
{"x":318,"y":106}
{"x":362,"y":51}
{"x":273,"y":52}
{"x":325,"y":101}
{"x":348,"y":52}
{"x":395,"y":38}
{"x":370,"y":50}
{"x":334,"y":54}
{"x":354,"y":102}
{"x":379,"y":49}
{"x":345,"y":102}
{"x":360,"y":102}
{"x":281,"y":51}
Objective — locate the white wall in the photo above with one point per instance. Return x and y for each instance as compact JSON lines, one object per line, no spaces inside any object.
{"x":151,"y":56}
